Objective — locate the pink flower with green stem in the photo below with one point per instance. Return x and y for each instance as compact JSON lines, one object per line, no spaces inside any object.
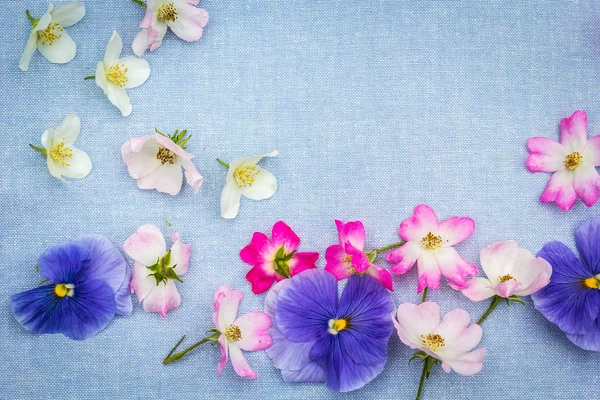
{"x":429,"y":244}
{"x":349,"y":257}
{"x":275,"y":259}
{"x":233,"y":334}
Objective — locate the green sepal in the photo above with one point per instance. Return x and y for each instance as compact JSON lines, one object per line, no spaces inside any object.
{"x":179,"y":138}
{"x":419,"y":354}
{"x":40,"y":149}
{"x":162,"y":270}
{"x":168,"y":223}
{"x":281,"y":262}
{"x":514,"y":298}
{"x":371,"y":254}
{"x":429,"y":361}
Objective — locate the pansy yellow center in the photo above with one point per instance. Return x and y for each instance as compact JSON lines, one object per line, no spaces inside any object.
{"x":431,"y":241}
{"x":167,"y":12}
{"x":245,"y":175}
{"x":336,"y":325}
{"x":593,"y":282}
{"x":233,"y":333}
{"x":60,"y":152}
{"x":165,"y":156}
{"x":433,"y":341}
{"x":573,"y":160}
{"x":51,"y":33}
{"x":64,"y":289}
{"x":505,"y":278}
{"x":117,"y":74}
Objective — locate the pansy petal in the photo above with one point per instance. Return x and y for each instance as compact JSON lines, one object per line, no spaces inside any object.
{"x":138,"y":71}
{"x":123,"y":303}
{"x":311,"y":372}
{"x":428,"y":271}
{"x":352,"y":232}
{"x":62,"y":263}
{"x":404,"y":257}
{"x":146,"y":245}
{"x":560,"y":190}
{"x":573,"y":131}
{"x":283,"y":235}
{"x":586,"y":183}
{"x":546,"y":155}
{"x":336,"y":265}
{"x":254,"y":326}
{"x":587,"y":239}
{"x":190,"y":21}
{"x":263,"y":187}
{"x":68,"y":14}
{"x":61,"y":51}
{"x":106,"y":261}
{"x":453,"y":266}
{"x":39,"y":310}
{"x":163,"y":298}
{"x":167,"y":178}
{"x":454,"y":230}
{"x":477,"y":289}
{"x":230,"y":200}
{"x":589,"y":340}
{"x":239,"y":362}
{"x":419,"y":224}
{"x":226,"y":305}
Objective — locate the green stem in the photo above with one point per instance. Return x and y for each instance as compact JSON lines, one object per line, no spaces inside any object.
{"x":175,"y":348}
{"x":141,"y":3}
{"x":30,"y":17}
{"x":87,"y":78}
{"x":223,"y":163}
{"x":40,"y":149}
{"x":391,"y":246}
{"x":424,"y":297}
{"x":422,"y":381}
{"x":495,"y":302}
{"x":174,"y":357}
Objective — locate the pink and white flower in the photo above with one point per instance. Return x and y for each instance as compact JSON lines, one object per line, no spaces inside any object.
{"x":349,"y":258}
{"x":182,"y":16}
{"x":275,"y":259}
{"x":247,"y":332}
{"x":156,"y":269}
{"x":156,"y":162}
{"x":450,"y":341}
{"x":573,"y":161}
{"x":510,"y":270}
{"x":429,"y":244}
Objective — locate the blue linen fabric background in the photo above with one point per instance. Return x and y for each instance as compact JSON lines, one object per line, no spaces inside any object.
{"x":375,"y":107}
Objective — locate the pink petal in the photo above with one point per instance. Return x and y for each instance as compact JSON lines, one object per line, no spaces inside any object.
{"x":139,"y":155}
{"x":302,"y":261}
{"x":190,"y":21}
{"x":573,"y":131}
{"x":359,"y":261}
{"x":226,"y":305}
{"x":454,"y":230}
{"x":192,"y":176}
{"x":223,"y":359}
{"x":586,"y":183}
{"x":335,"y":264}
{"x":546,"y":155}
{"x":352,"y":232}
{"x":591,"y":154}
{"x":560,"y":189}
{"x":507,"y":289}
{"x":240,"y":365}
{"x":170,"y":145}
{"x":404,"y":257}
{"x":166,"y":179}
{"x":146,"y":245}
{"x":258,"y":250}
{"x":162,"y":298}
{"x":261,"y":277}
{"x":141,"y":284}
{"x":382,"y":276}
{"x":416,"y":320}
{"x":477,"y":289}
{"x":283,"y":235}
{"x":429,"y":272}
{"x":467,"y":365}
{"x":453,"y":267}
{"x":254,"y":326}
{"x":180,"y":254}
{"x":453,"y":329}
{"x":544,"y":272}
{"x":499,"y":258}
{"x":422,"y":222}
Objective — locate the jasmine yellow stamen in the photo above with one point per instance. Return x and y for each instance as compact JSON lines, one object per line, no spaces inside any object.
{"x":431,"y":241}
{"x":233,"y":333}
{"x":60,"y":152}
{"x":433,"y":341}
{"x":505,"y":278}
{"x":51,"y":33}
{"x":336,"y":325}
{"x":117,"y":74}
{"x":245,"y":175}
{"x":167,"y":12}
{"x":573,"y":160}
{"x":593,"y":282}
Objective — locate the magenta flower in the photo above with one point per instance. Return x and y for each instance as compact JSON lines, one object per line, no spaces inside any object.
{"x":156,"y":162}
{"x":573,"y":162}
{"x":247,"y":332}
{"x":429,"y":244}
{"x":275,"y":259}
{"x":182,"y":16}
{"x":349,"y":258}
{"x":156,"y":269}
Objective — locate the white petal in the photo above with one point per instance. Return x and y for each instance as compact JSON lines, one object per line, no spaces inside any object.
{"x":54,"y":167}
{"x":118,"y":97}
{"x":263,"y":187}
{"x":167,"y":178}
{"x":230,"y":200}
{"x":80,"y":165}
{"x":67,"y":14}
{"x":101,"y":76}
{"x":28,"y":52}
{"x":113,"y":50}
{"x":138,"y":70}
{"x":141,"y":283}
{"x":499,"y":259}
{"x":61,"y":51}
{"x":252,"y":160}
{"x":69,"y":129}
{"x":47,"y":137}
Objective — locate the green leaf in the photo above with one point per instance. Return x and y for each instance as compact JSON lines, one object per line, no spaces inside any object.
{"x":514,"y":298}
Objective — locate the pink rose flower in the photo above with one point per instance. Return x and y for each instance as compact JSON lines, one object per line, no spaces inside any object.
{"x":573,"y":161}
{"x":182,"y":16}
{"x":156,"y":269}
{"x":450,"y":341}
{"x":275,"y":259}
{"x":156,"y":162}
{"x":510,"y":270}
{"x":429,"y":244}
{"x":348,"y":257}
{"x":247,"y":332}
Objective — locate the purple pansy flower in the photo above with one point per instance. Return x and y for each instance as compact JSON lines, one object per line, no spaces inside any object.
{"x":316,"y":338}
{"x":89,"y":285}
{"x":572,"y":298}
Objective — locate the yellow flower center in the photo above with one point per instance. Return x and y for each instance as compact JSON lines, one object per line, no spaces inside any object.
{"x":233,"y":333}
{"x":165,"y":156}
{"x":245,"y":175}
{"x":51,"y":33}
{"x":573,"y":160}
{"x":60,"y":152}
{"x":336,"y":325}
{"x":431,"y":241}
{"x":505,"y":278}
{"x":117,"y":74}
{"x":592,"y":283}
{"x":348,"y":261}
{"x":167,"y":12}
{"x":433,"y":341}
{"x":64,"y":289}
